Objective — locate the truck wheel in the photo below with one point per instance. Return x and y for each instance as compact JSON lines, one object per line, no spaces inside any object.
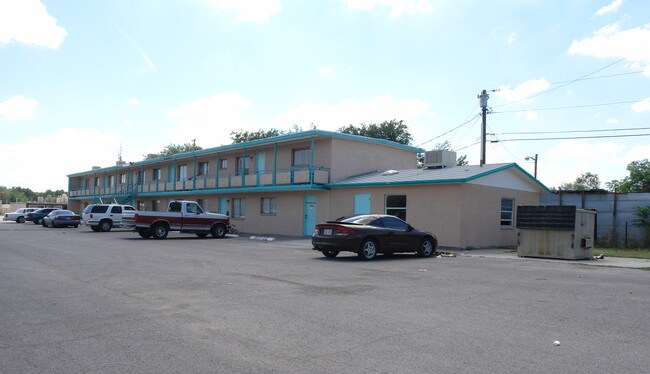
{"x":20,"y":219}
{"x":144,"y":233}
{"x":105,"y":225}
{"x":159,"y":231}
{"x":218,"y":230}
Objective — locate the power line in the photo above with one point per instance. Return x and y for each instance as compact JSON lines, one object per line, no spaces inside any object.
{"x":570,"y":137}
{"x":573,"y":131}
{"x":443,"y":134}
{"x":584,"y":77}
{"x":604,"y":76}
{"x":567,"y":107}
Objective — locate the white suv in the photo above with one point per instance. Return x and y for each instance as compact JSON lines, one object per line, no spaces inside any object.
{"x":103,"y":217}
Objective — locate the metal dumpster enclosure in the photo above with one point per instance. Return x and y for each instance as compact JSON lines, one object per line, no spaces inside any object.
{"x":562,"y":232}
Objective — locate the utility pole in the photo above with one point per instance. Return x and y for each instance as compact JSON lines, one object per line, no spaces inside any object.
{"x":483,"y":98}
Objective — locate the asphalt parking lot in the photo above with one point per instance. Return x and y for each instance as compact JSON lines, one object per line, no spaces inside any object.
{"x":77,"y":301}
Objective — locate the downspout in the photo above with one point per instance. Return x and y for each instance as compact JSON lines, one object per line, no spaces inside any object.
{"x":194,"y":177}
{"x":311,"y":163}
{"x":216,"y":177}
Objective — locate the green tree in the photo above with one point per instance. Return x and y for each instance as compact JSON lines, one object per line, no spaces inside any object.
{"x":247,"y":136}
{"x":392,"y":130}
{"x":172,"y":149}
{"x":637,"y":181}
{"x":642,"y":221}
{"x":586,"y":181}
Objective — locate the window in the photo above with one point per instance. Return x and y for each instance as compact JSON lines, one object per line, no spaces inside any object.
{"x":268,"y":205}
{"x":203,"y":168}
{"x":111,"y":181}
{"x":396,"y":206}
{"x":116,"y":209}
{"x":507,"y":212}
{"x":238,"y":208}
{"x":243,"y":165}
{"x":223,"y":163}
{"x":157,"y":175}
{"x":182,"y":172}
{"x":395,"y":223}
{"x":300,"y":157}
{"x":122,"y":178}
{"x":193,"y":208}
{"x":154,"y":205}
{"x":175,"y":206}
{"x":97,"y":184}
{"x":203,"y":203}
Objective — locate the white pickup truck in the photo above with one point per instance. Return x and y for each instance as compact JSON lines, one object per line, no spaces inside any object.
{"x":182,"y":216}
{"x":19,"y":215}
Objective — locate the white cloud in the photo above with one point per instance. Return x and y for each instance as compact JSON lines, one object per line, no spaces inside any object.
{"x":522,"y":91}
{"x":612,"y":121}
{"x":566,"y":161}
{"x":611,"y":42}
{"x":328,"y":70}
{"x":54,"y":162}
{"x":133,"y":101}
{"x":641,"y":106}
{"x":18,"y":108}
{"x":27,"y":22}
{"x":211,"y":119}
{"x":611,"y":8}
{"x":512,"y":38}
{"x":248,"y":10}
{"x":397,"y":7}
{"x":353,"y":111}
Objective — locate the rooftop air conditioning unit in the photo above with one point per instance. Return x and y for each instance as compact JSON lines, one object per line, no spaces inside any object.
{"x":439,"y":159}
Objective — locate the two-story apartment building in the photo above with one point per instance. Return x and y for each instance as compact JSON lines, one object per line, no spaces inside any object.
{"x":286,"y":184}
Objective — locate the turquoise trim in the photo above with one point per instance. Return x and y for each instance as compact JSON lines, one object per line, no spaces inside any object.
{"x":289,"y":137}
{"x":439,"y":181}
{"x":221,"y":191}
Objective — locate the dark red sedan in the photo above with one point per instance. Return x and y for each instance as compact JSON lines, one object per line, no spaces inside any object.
{"x":367,"y":235}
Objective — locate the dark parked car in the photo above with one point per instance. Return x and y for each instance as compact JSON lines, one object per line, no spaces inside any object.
{"x":38,"y":215}
{"x":367,"y":235}
{"x":61,"y":218}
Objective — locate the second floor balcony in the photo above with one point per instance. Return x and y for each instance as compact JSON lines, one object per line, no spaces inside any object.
{"x":213,"y":183}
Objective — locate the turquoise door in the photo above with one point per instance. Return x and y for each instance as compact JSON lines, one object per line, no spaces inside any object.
{"x":310,"y":214}
{"x":223,"y":205}
{"x":362,"y":203}
{"x":260,"y":163}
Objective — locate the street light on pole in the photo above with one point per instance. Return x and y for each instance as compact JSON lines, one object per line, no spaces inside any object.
{"x":528,"y":158}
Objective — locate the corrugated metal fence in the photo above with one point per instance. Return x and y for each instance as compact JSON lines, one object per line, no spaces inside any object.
{"x":615,"y":213}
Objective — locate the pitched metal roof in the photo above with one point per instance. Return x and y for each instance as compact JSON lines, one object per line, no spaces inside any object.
{"x":456,"y":174}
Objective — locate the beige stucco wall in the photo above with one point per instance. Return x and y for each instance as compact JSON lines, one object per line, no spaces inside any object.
{"x":356,"y":157}
{"x":461,"y":215}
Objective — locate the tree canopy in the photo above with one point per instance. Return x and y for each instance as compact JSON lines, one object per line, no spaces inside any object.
{"x":586,"y":181}
{"x":247,"y":136}
{"x":637,"y":181}
{"x":172,"y":149}
{"x":392,"y":130}
{"x":23,"y":195}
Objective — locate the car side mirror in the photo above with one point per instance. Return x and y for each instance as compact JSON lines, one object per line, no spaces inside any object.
{"x":409,"y":228}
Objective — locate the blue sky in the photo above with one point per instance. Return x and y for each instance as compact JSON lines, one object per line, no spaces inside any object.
{"x":80,"y":79}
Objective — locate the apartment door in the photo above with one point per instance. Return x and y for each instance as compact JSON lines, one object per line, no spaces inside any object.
{"x":223,"y":205}
{"x":260,"y":163}
{"x":362,"y":203}
{"x":310,"y":214}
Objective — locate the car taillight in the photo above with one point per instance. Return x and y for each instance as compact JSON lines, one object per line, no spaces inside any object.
{"x":344,"y":231}
{"x":135,"y":217}
{"x":91,"y":216}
